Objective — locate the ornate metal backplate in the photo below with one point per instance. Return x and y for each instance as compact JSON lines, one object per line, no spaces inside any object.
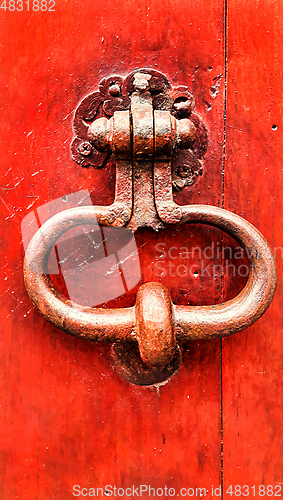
{"x":114,"y":94}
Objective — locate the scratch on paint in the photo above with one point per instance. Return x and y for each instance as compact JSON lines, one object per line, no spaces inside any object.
{"x":69,"y":114}
{"x":234,"y":128}
{"x":14,"y":187}
{"x":7,"y":206}
{"x":122,"y":261}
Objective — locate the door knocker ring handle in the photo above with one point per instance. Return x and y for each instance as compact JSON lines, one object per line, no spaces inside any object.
{"x":144,"y":138}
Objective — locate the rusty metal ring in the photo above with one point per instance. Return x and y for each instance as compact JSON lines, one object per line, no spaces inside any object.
{"x":126,"y":324}
{"x":237,"y":314}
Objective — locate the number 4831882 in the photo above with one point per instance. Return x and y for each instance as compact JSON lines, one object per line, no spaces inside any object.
{"x":255,"y":491}
{"x":27,"y":5}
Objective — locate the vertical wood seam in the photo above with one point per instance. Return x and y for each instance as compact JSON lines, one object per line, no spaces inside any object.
{"x":223,"y":206}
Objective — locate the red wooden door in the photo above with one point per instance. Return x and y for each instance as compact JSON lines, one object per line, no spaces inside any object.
{"x":70,"y":426}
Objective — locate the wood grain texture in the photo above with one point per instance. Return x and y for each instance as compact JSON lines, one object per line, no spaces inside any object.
{"x":252,"y":360}
{"x":66,"y":417}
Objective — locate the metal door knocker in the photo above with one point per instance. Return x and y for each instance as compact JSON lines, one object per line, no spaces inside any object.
{"x":147,"y":125}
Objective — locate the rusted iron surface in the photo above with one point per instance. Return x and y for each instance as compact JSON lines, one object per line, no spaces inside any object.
{"x":100,"y":103}
{"x":239,"y":313}
{"x":144,"y":212}
{"x":155,"y":326}
{"x":117,"y":94}
{"x":144,"y":138}
{"x":152,"y":139}
{"x":96,"y":324}
{"x":122,"y":325}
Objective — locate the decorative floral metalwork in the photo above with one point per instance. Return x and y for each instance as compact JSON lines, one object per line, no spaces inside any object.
{"x":113,"y":94}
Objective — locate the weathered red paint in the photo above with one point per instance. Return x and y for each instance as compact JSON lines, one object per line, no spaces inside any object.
{"x":252,"y":383}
